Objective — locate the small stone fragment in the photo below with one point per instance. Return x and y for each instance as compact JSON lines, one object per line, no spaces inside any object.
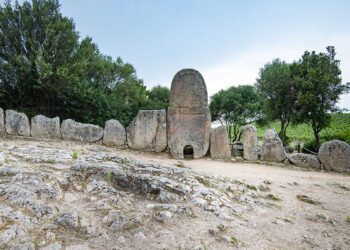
{"x":164,"y":216}
{"x":140,"y":236}
{"x":213,"y":231}
{"x":53,"y":246}
{"x":121,"y":240}
{"x":50,"y":236}
{"x":24,"y":246}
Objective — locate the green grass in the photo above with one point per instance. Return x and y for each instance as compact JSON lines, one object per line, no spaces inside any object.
{"x":108,"y":177}
{"x":234,"y":241}
{"x":307,"y":199}
{"x":75,"y":155}
{"x":348,"y":219}
{"x":273,"y":197}
{"x":303,"y":132}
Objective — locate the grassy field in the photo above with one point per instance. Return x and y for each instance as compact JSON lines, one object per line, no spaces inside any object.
{"x":340,"y":126}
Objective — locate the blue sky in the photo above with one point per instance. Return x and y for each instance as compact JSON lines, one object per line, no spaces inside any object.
{"x":227,"y":41}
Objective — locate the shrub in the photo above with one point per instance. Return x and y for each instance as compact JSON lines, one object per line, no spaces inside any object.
{"x":286,"y":140}
{"x":311,"y":145}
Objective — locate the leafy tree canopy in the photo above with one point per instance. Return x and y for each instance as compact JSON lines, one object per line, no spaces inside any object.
{"x":275,"y":85}
{"x":317,"y":79}
{"x":46,"y":69}
{"x":158,"y":98}
{"x":235,"y":107}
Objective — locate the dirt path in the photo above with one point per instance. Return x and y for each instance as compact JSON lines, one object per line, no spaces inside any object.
{"x":319,"y":222}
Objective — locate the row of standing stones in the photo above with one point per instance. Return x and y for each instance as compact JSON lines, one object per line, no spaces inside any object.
{"x":148,"y":131}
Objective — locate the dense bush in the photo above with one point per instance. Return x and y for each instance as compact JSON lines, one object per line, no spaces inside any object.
{"x":311,"y":145}
{"x":285,"y":139}
{"x":235,"y":107}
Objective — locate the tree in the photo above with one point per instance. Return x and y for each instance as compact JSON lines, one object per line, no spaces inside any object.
{"x":275,"y":85}
{"x":45,"y":69}
{"x":235,"y":107}
{"x":158,"y":98}
{"x":317,"y":78}
{"x":36,"y":44}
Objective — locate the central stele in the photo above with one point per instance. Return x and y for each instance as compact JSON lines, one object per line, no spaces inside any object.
{"x":188,"y":116}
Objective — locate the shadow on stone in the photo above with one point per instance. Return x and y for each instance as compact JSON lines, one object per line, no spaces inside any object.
{"x":188,"y":152}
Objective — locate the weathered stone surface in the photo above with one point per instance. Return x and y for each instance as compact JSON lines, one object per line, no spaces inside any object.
{"x":17,"y":123}
{"x":67,"y":220}
{"x":188,"y":90}
{"x":219,"y":144}
{"x":148,"y":131}
{"x":53,"y":246}
{"x":335,"y":155}
{"x":24,"y":246}
{"x":272,"y":149}
{"x":250,"y":142}
{"x":44,"y":127}
{"x":113,"y":194}
{"x":188,"y":118}
{"x":72,"y":130}
{"x":2,"y":121}
{"x":304,"y":160}
{"x":114,"y":134}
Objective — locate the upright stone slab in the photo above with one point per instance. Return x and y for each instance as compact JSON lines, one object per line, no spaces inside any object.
{"x":272,"y":149}
{"x":72,"y":130}
{"x":220,"y":144}
{"x":148,"y":131}
{"x":2,"y":122}
{"x":335,"y":155}
{"x":44,"y":127}
{"x":250,"y":142}
{"x":188,"y":118}
{"x":114,"y":134}
{"x":17,"y":123}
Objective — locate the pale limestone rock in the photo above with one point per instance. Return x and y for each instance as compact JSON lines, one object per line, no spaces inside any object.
{"x":335,"y":155}
{"x":44,"y":127}
{"x":272,"y":149}
{"x":17,"y":123}
{"x":72,"y":130}
{"x":250,"y":142}
{"x":148,"y":131}
{"x":114,"y":134}
{"x":219,"y":144}
{"x":304,"y":160}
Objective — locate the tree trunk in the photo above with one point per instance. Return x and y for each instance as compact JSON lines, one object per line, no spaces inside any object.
{"x":283,"y":132}
{"x":230,"y":133}
{"x":317,"y":137}
{"x":239,"y":137}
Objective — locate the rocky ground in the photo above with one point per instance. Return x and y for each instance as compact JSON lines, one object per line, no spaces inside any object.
{"x":65,"y":195}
